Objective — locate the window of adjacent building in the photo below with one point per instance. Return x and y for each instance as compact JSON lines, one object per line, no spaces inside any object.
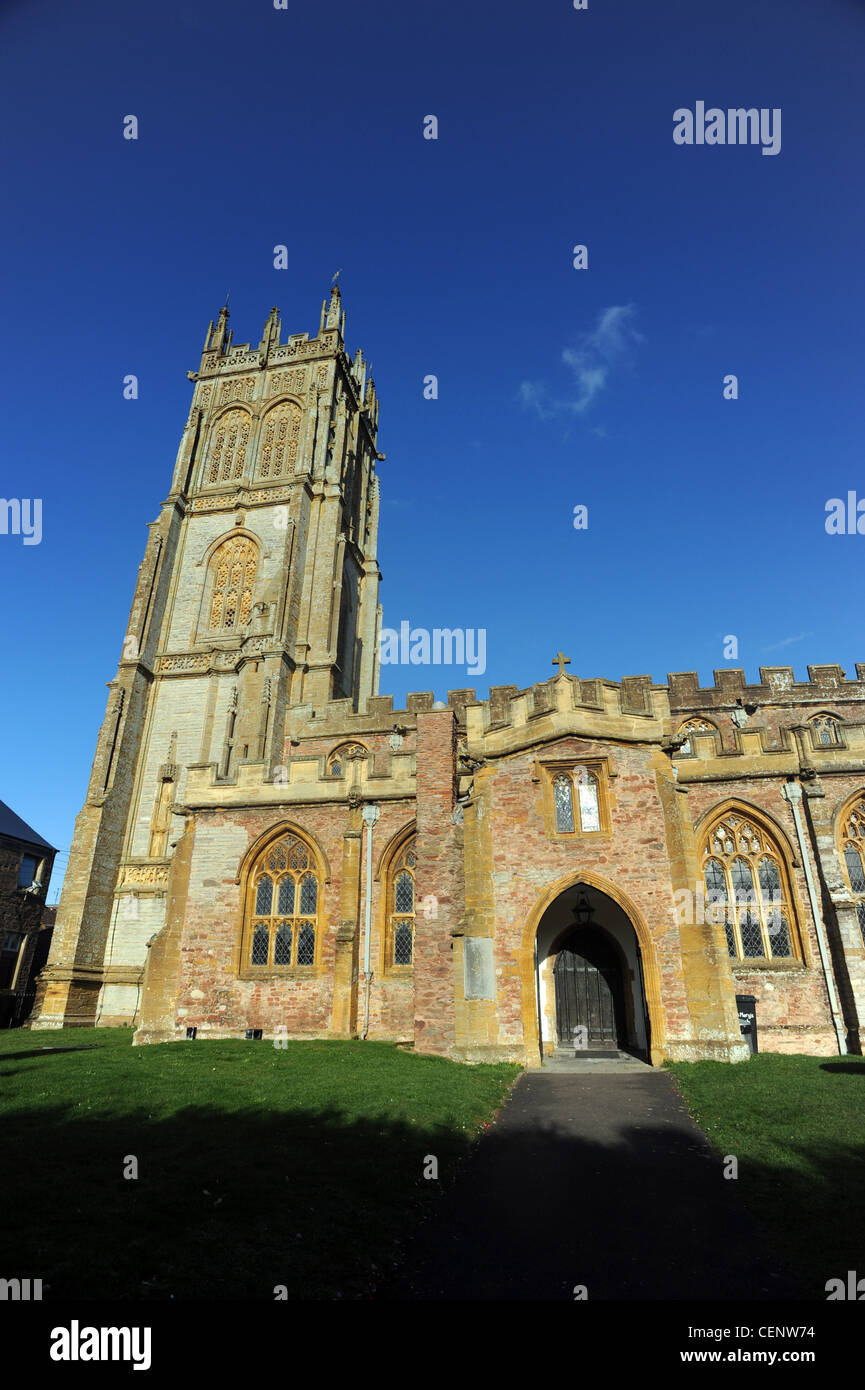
{"x":747,"y":888}
{"x":27,"y":871}
{"x":693,"y":726}
{"x":282,"y":906}
{"x":576,"y":802}
{"x":401,"y":906}
{"x":853,"y":853}
{"x":11,"y":946}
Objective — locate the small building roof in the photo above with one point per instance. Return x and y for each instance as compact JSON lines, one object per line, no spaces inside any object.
{"x":18,"y":829}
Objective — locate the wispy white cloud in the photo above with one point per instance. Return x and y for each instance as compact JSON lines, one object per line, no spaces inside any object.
{"x":590,"y":361}
{"x":699,"y":330}
{"x":786,"y":642}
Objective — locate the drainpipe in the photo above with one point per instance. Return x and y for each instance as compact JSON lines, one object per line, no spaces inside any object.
{"x":792,"y":792}
{"x":370,"y":815}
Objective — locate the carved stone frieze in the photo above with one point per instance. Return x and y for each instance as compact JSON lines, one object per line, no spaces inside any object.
{"x":217,"y":659}
{"x":189,"y":661}
{"x":147,"y":874}
{"x":241,"y":497}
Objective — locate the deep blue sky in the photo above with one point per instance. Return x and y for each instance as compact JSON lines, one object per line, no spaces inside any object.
{"x":556,"y":387}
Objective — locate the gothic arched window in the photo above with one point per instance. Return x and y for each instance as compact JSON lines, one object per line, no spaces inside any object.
{"x":277,"y":452}
{"x":282,"y":900}
{"x":233,"y":568}
{"x":229,"y":436}
{"x":824,"y":729}
{"x":693,"y":726}
{"x":747,"y":889}
{"x":339,"y":758}
{"x":399,"y":937}
{"x":853,"y":854}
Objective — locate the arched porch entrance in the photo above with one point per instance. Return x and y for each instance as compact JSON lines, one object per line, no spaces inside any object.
{"x":590,"y":974}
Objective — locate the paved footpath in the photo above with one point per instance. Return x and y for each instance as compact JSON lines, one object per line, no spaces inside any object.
{"x":597,"y":1180}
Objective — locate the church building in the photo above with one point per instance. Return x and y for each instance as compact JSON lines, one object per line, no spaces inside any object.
{"x":268,"y":847}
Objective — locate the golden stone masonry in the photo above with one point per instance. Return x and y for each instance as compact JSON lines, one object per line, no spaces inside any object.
{"x":523,"y":884}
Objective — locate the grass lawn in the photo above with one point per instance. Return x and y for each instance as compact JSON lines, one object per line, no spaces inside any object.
{"x":257,"y":1166}
{"x":797,"y":1127}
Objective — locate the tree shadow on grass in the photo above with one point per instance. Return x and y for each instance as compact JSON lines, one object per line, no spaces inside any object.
{"x":237,"y":1204}
{"x":539,"y":1215}
{"x":45,"y":1052}
{"x":225,"y":1205}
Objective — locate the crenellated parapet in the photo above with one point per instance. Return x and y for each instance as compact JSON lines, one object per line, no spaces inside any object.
{"x":825,"y":684}
{"x":773,"y":725}
{"x":632,"y":711}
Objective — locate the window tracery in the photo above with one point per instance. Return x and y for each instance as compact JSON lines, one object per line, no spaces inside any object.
{"x":746,"y":885}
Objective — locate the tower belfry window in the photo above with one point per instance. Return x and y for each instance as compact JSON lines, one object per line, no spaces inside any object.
{"x":234,"y":567}
{"x":279,"y":441}
{"x":228,"y":440}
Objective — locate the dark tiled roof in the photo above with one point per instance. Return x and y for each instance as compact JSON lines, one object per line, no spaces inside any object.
{"x":18,"y":829}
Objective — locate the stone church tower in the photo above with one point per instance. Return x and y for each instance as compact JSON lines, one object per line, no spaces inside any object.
{"x":267,"y":846}
{"x":258,"y":591}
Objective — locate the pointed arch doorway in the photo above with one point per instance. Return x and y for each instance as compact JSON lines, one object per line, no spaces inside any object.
{"x":593,"y":976}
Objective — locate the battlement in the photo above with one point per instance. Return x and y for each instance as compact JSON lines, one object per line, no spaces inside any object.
{"x":221,"y":356}
{"x":633,"y":710}
{"x":506,"y":705}
{"x":634,"y":697}
{"x":778,"y":685}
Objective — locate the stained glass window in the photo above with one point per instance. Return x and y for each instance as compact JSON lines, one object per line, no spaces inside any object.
{"x":401,"y":906}
{"x":564,"y":800}
{"x":263,"y":896}
{"x":825,"y":729}
{"x":576,"y":802}
{"x":402,"y":950}
{"x":853,"y":860}
{"x":308,"y":895}
{"x":283,"y":905}
{"x":853,"y":846}
{"x":259,"y":945}
{"x":738,"y":856}
{"x":590,"y":815}
{"x":306,"y":945}
{"x":339,"y":760}
{"x":282,"y":944}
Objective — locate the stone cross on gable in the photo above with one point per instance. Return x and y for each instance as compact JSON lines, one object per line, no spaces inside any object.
{"x":562,"y":662}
